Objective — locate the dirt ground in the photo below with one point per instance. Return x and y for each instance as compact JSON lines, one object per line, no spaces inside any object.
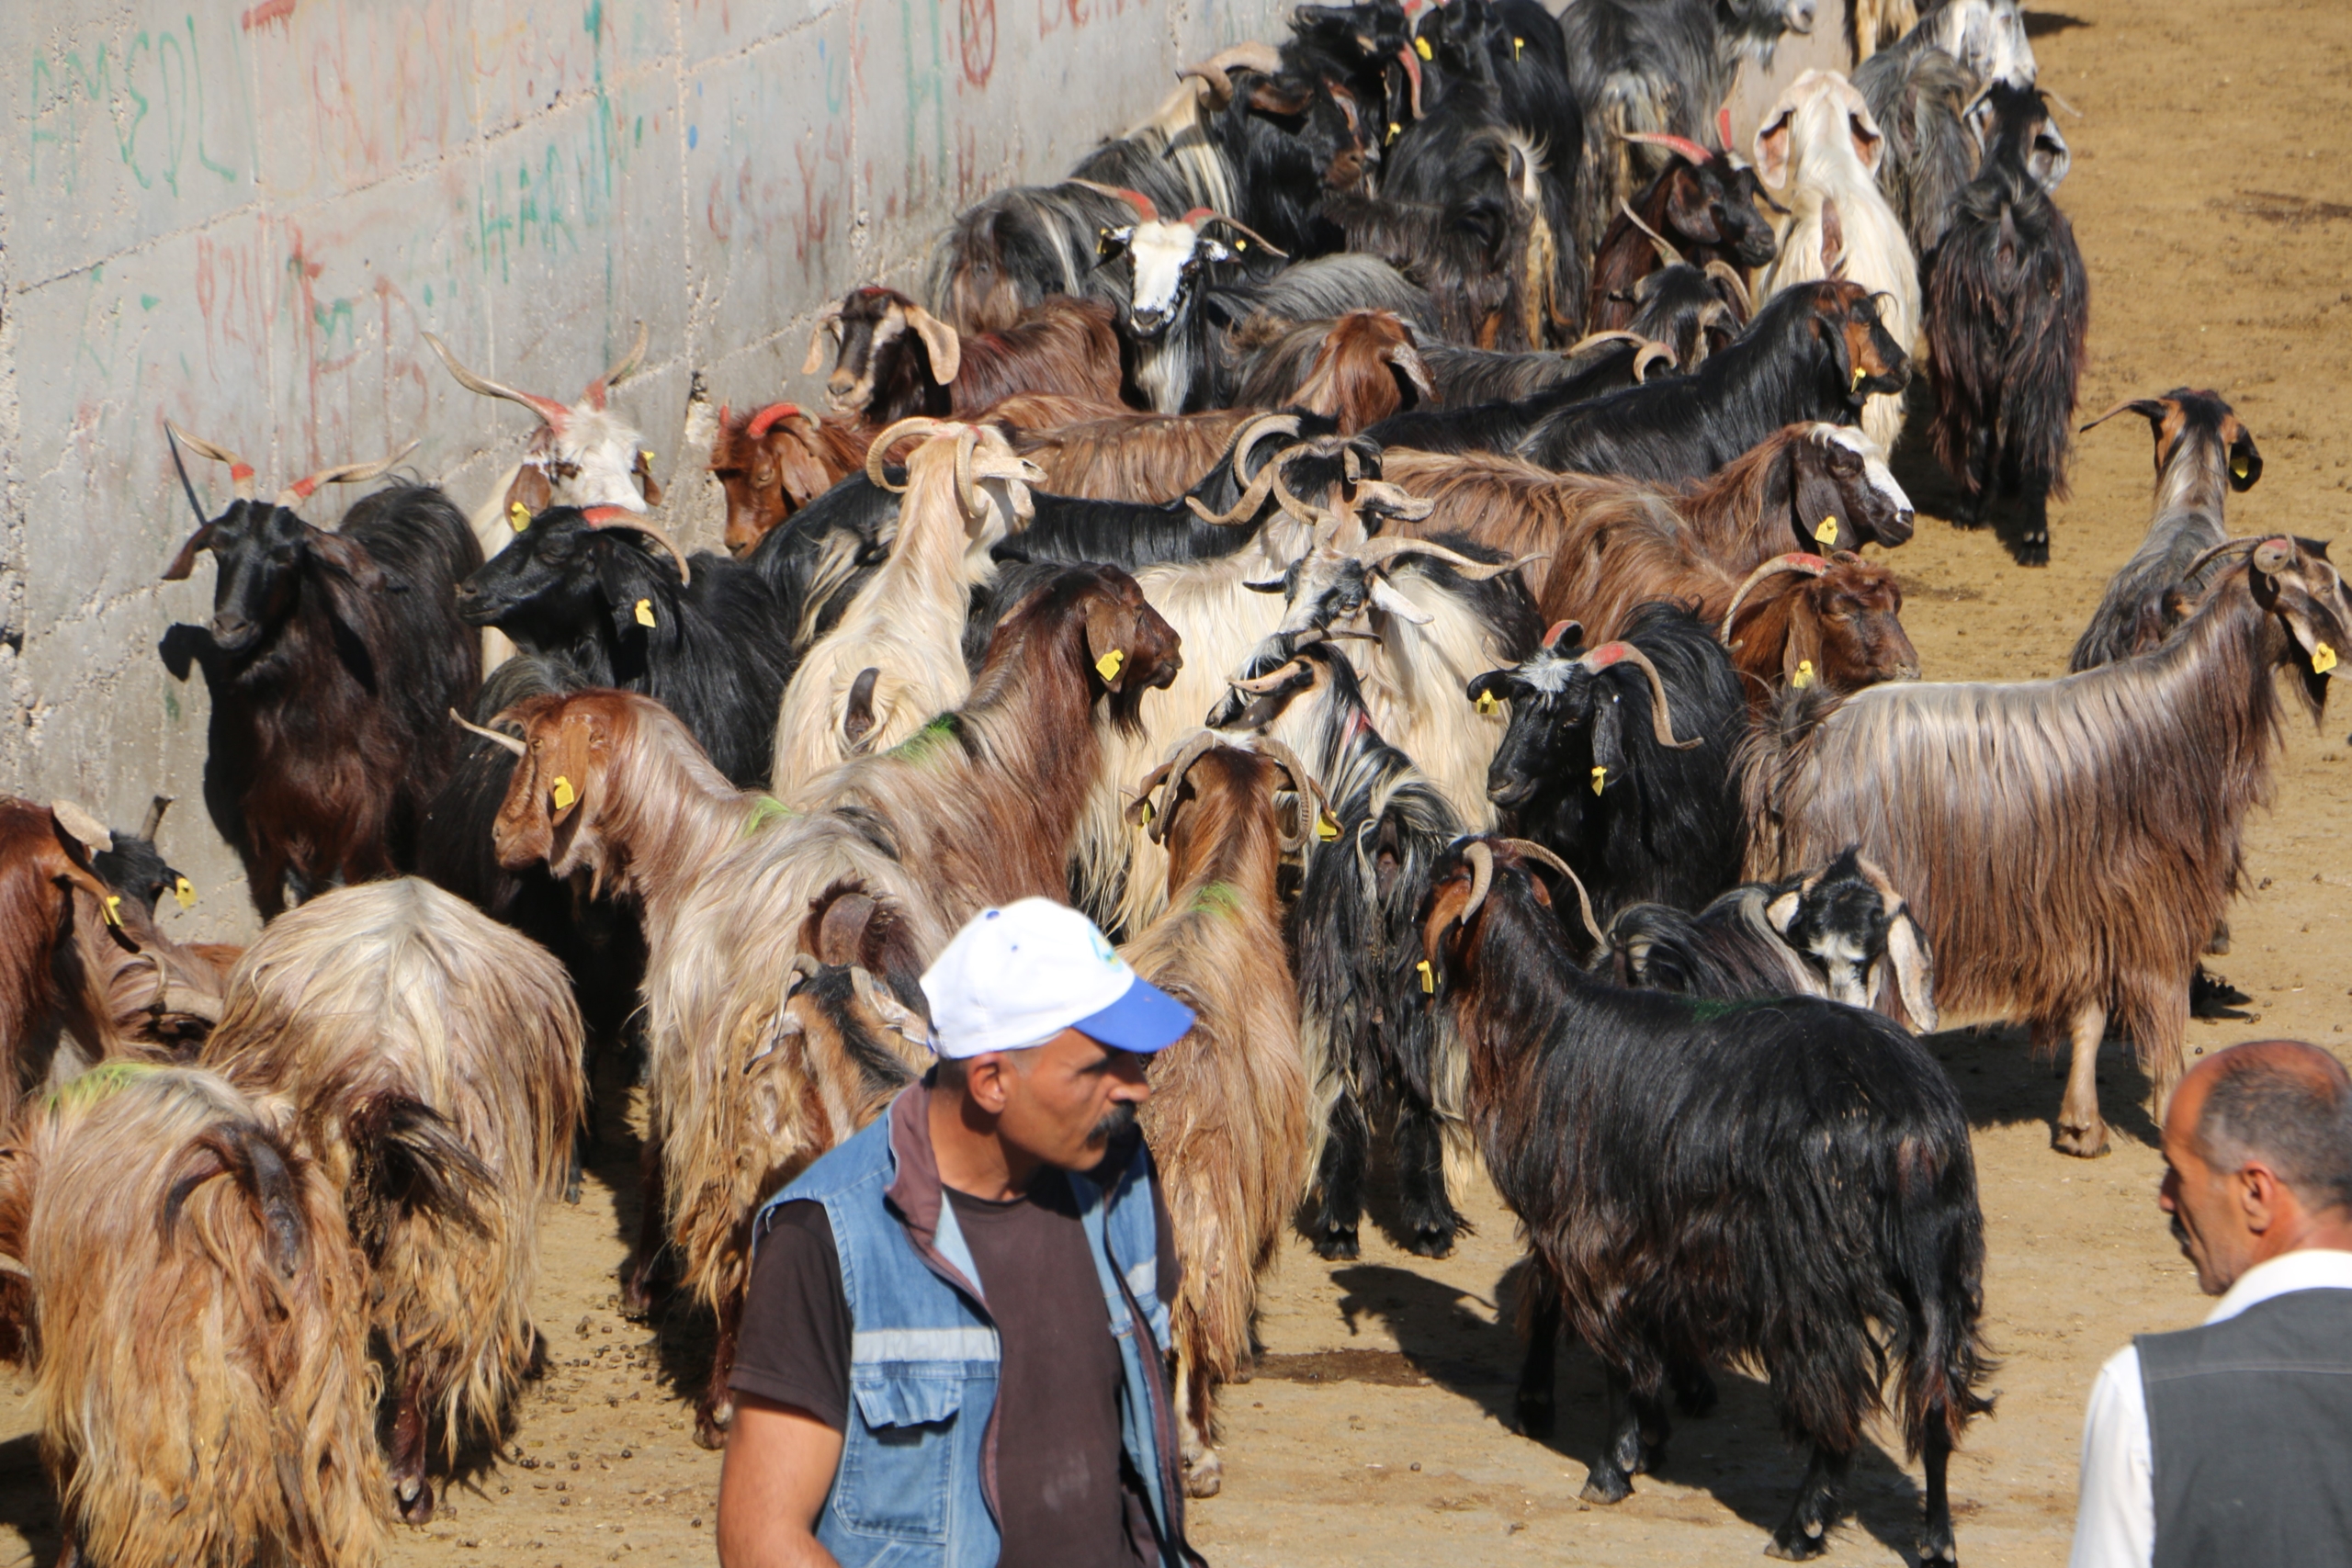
{"x":2209,"y":197}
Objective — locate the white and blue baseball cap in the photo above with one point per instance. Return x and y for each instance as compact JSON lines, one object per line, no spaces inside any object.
{"x":1017,"y":976}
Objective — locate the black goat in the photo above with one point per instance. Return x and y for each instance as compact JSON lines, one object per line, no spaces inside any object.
{"x":706,"y":639}
{"x":1459,"y":427}
{"x":1592,"y":767}
{"x":1841,"y":931}
{"x":817,"y":559}
{"x":1917,"y":94}
{"x":1701,"y":210}
{"x":333,"y":660}
{"x":1816,"y":351}
{"x":2009,"y":306}
{"x":2203,"y":452}
{"x":1373,"y":1048}
{"x":135,"y":868}
{"x":1786,"y":1182}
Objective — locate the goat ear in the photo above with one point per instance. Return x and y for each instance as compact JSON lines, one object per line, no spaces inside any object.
{"x":531,"y":490}
{"x":857,"y":713}
{"x":1106,"y":642}
{"x":816,"y":360}
{"x":1781,"y":912}
{"x":1833,"y":240}
{"x":1286,"y":99}
{"x":1608,"y":737}
{"x":647,"y":485}
{"x":1816,"y":501}
{"x":1869,"y":144}
{"x":184,"y":563}
{"x":626,"y":575}
{"x":1689,"y":211}
{"x":1800,"y":657}
{"x":1773,"y":150}
{"x":1914,"y":971}
{"x":2245,"y":460}
{"x":1832,"y":329}
{"x":939,"y":340}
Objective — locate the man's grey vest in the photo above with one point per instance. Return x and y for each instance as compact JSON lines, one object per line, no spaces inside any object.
{"x":2250,"y":1432}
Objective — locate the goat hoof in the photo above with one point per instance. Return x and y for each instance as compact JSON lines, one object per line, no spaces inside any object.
{"x":1337,"y":1243}
{"x":1939,"y":1553}
{"x":1430,"y":1244}
{"x":1204,"y":1477}
{"x":711,"y":1421}
{"x":1606,"y":1487}
{"x":1802,"y":1548}
{"x":412,"y":1496}
{"x":1535,"y":1417}
{"x":2083,"y":1143}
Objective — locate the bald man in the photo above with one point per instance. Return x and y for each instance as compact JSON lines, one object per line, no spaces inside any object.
{"x":2231,"y":1444}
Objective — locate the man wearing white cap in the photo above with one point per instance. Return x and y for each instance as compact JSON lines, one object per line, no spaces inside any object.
{"x":954,"y":1348}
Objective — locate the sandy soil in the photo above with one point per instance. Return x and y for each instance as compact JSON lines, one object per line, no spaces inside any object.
{"x":2210,"y":195}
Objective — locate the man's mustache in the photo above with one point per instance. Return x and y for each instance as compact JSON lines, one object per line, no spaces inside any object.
{"x":1116,"y":1122}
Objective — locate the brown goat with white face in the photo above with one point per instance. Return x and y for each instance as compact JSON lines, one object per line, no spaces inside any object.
{"x":976,"y":808}
{"x":193,"y":1318}
{"x":2068,"y":845}
{"x":433,"y":1059}
{"x":1226,"y":1119}
{"x":1800,"y":619}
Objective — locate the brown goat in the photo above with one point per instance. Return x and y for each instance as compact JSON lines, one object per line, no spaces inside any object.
{"x":194,"y":1322}
{"x":433,"y":1059}
{"x":2068,"y":845}
{"x":1226,"y":1119}
{"x":1800,"y":619}
{"x":776,"y":460}
{"x":895,"y":360}
{"x":1357,"y":370}
{"x":1608,"y":545}
{"x":978,"y":807}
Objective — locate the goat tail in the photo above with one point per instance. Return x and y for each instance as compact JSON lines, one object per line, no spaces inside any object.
{"x":1935,"y":1249}
{"x":407,"y":1159}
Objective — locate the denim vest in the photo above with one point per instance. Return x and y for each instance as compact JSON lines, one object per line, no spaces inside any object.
{"x":917,"y":1479}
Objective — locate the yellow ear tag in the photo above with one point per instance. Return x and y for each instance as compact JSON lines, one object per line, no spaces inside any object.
{"x":518,"y":514}
{"x":1518,"y":47}
{"x":113,"y":909}
{"x":185,"y":891}
{"x":563,"y":794}
{"x":1827,"y":533}
{"x":645,"y":612}
{"x":1486,"y":704}
{"x":1429,"y":980}
{"x":1421,"y":47}
{"x":2322,"y":658}
{"x":1326,"y":827}
{"x":1600,"y":777}
{"x":1803,"y":677}
{"x":1111,"y":663}
{"x":646,"y":453}
{"x":1241,"y":244}
{"x":1859,"y":376}
{"x":1395,"y":131}
{"x":2239,"y":468}
{"x":1146,"y":812}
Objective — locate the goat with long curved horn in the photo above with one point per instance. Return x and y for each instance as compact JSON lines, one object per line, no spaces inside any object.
{"x":828,"y":319}
{"x":1153,"y":819}
{"x":1667,"y":253}
{"x":1678,"y":144}
{"x":550,"y":412}
{"x":1795,"y":560}
{"x":503,"y":739}
{"x":241,"y":473}
{"x":1534,"y":851}
{"x":1376,"y":552}
{"x":619,"y":371}
{"x":1200,"y":215}
{"x":1215,"y":73}
{"x":920,"y":428}
{"x":302,"y":489}
{"x":621,"y":517}
{"x":1661,"y":720}
{"x":1314,"y":805}
{"x":1144,"y":210}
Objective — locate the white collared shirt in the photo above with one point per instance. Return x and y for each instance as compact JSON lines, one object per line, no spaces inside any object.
{"x":2115,"y":1518}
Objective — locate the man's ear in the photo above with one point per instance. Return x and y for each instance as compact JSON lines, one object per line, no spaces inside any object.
{"x":987,"y":1081}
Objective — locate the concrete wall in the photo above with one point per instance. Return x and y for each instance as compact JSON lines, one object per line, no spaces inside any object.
{"x":243,"y":219}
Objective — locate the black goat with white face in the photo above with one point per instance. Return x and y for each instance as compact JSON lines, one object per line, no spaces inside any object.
{"x":706,"y":639}
{"x":1372,"y":1047}
{"x":1167,"y":264}
{"x":1619,"y":758}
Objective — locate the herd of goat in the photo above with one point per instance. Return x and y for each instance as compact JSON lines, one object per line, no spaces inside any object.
{"x":1384,"y":537}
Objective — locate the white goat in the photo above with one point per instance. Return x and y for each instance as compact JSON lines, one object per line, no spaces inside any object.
{"x":896,"y":660}
{"x":1821,"y":142}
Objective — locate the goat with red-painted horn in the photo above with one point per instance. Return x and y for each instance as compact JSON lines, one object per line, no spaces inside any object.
{"x":331,"y":659}
{"x":192,"y":1317}
{"x":980,"y":807}
{"x":1226,"y":1119}
{"x":893,"y":359}
{"x":774,"y":460}
{"x":1802,"y":618}
{"x":433,"y":1059}
{"x":2069,"y":845}
{"x":1817,"y":1153}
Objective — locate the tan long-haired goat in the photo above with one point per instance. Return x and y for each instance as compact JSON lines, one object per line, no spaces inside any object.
{"x":194,"y":1321}
{"x":1226,"y":1119}
{"x":433,"y":1056}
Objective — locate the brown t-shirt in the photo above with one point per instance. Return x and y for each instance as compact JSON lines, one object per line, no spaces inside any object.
{"x":1068,"y":1498}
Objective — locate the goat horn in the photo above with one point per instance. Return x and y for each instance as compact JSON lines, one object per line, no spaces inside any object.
{"x":1245,"y":440}
{"x":1481,"y":856}
{"x":155,"y":822}
{"x":1795,"y":560}
{"x":1583,"y":901}
{"x":1246,"y":508}
{"x":2128,"y":405}
{"x":1171,"y":773}
{"x":1683,"y":144}
{"x":1661,"y":719}
{"x":760,"y":423}
{"x":551,"y":413}
{"x":1413,"y":76}
{"x":1650,"y":354}
{"x":340,"y":474}
{"x":189,"y":1001}
{"x":1270,"y":248}
{"x":1719,"y":268}
{"x":1315,"y":515}
{"x":241,"y":473}
{"x":828,"y":317}
{"x":1312,"y":802}
{"x":2051,"y":95}
{"x":498,"y":735}
{"x":1379,"y":550}
{"x":620,"y":370}
{"x":1135,"y":199}
{"x":1214,"y":73}
{"x":919,"y":427}
{"x":172,"y":439}
{"x":2247,"y":539}
{"x":1594,"y":340}
{"x":1665,"y":251}
{"x":1259,"y":685}
{"x":617,"y":517}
